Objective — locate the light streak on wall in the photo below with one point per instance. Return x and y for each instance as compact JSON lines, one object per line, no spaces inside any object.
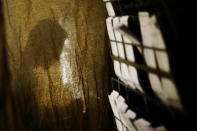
{"x":65,"y":64}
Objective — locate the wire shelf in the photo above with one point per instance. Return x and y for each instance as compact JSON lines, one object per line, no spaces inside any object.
{"x":147,"y":105}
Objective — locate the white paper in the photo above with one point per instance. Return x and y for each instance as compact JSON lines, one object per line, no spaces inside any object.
{"x":117,"y":68}
{"x":158,"y":41}
{"x":120,"y":100}
{"x":170,"y":90}
{"x":134,"y":77}
{"x":115,"y":112}
{"x":152,"y":37}
{"x":157,"y":87}
{"x":110,"y":9}
{"x":114,"y":49}
{"x":150,"y":58}
{"x":121,"y":111}
{"x":122,"y":107}
{"x":124,"y":21}
{"x":110,"y":28}
{"x":151,"y":34}
{"x":115,"y":94}
{"x":127,"y":121}
{"x":142,"y":125}
{"x":160,"y":128}
{"x":145,"y":26}
{"x":121,"y":50}
{"x":116,"y":22}
{"x":130,"y":114}
{"x":129,"y":53}
{"x":124,"y":70}
{"x":142,"y":122}
{"x":163,"y":61}
{"x":123,"y":30}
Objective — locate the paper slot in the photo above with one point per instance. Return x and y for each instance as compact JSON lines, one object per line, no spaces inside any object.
{"x":116,"y":22}
{"x":163,"y":61}
{"x":124,"y":21}
{"x":129,"y":53}
{"x":110,"y":9}
{"x":170,"y":90}
{"x":145,"y":26}
{"x":110,"y":28}
{"x":134,"y":78}
{"x":124,"y":70}
{"x":150,"y":58}
{"x":114,"y":49}
{"x":158,"y":41}
{"x":117,"y":68}
{"x":121,"y":50}
{"x":157,"y":87}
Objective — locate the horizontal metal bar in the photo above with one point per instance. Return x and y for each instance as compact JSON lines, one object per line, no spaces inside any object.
{"x":138,"y":92}
{"x":143,"y":67}
{"x":137,"y":45}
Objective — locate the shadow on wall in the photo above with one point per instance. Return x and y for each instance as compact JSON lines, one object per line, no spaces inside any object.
{"x":44,"y":46}
{"x":23,"y":108}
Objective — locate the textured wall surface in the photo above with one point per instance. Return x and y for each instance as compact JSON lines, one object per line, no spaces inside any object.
{"x":59,"y":64}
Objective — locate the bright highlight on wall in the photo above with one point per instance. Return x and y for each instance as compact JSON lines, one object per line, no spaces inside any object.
{"x":65,"y":64}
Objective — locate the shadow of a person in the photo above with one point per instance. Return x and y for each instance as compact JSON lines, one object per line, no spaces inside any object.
{"x":44,"y":44}
{"x":44,"y":47}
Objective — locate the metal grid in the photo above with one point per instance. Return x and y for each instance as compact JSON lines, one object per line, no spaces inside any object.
{"x":148,"y":108}
{"x":145,"y":105}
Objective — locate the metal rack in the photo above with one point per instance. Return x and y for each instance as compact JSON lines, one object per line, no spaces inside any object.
{"x":146,"y":106}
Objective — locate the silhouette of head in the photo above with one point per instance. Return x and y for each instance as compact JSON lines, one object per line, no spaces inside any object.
{"x":45,"y":44}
